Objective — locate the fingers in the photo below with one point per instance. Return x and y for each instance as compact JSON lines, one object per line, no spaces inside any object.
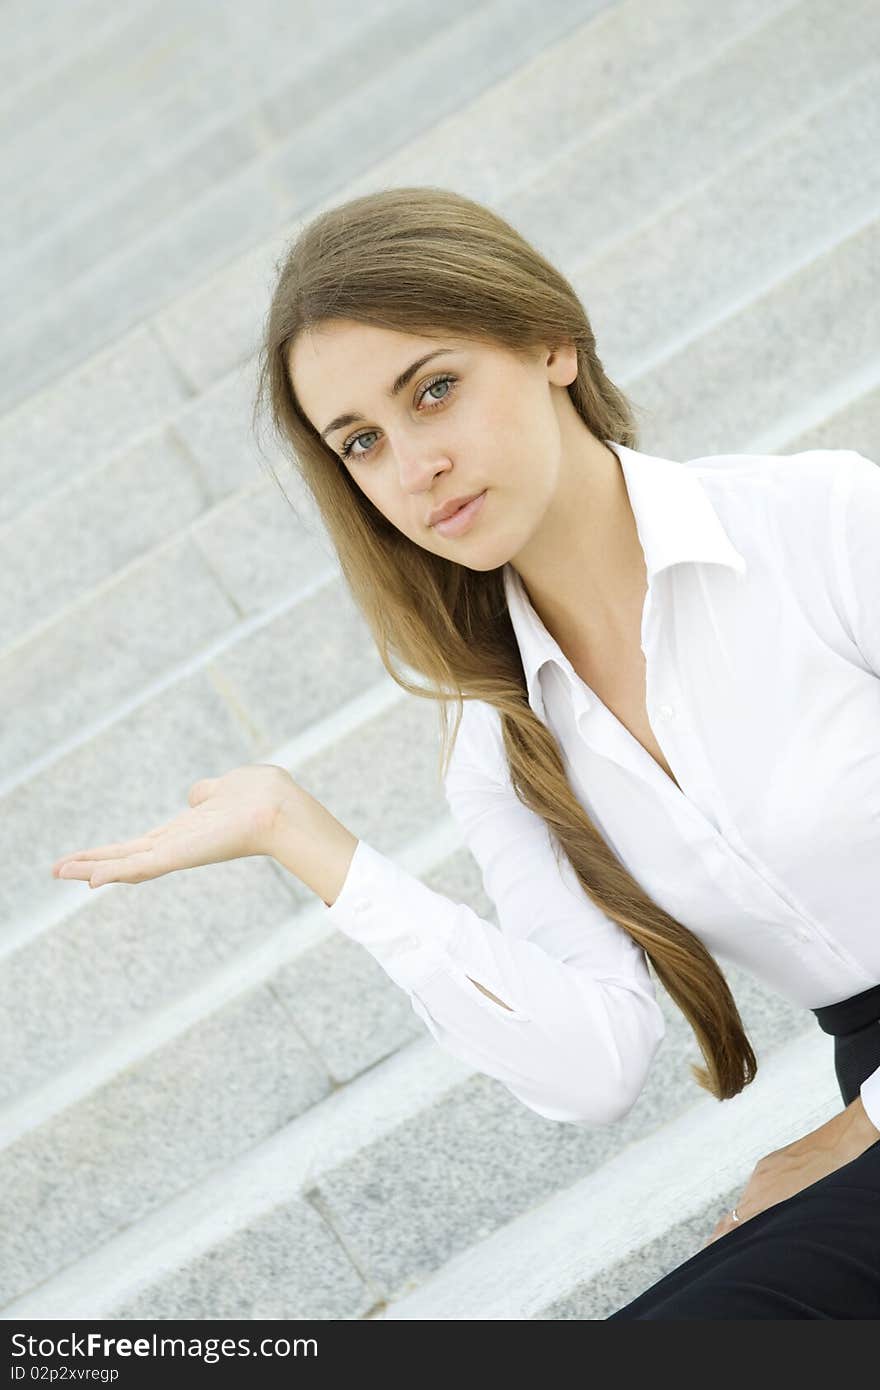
{"x":81,"y":863}
{"x":99,"y":852}
{"x":84,"y":867}
{"x":131,"y":868}
{"x":85,"y":870}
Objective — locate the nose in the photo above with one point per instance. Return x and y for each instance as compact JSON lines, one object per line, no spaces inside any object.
{"x":419,"y":464}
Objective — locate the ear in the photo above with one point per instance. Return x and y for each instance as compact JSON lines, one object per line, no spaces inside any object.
{"x":562,"y":364}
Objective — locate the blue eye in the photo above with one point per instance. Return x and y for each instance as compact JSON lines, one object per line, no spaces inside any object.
{"x":451,"y":381}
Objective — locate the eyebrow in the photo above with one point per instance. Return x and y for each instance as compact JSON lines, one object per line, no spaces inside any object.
{"x":396,"y":388}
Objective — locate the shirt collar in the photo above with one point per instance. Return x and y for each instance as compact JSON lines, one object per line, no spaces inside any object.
{"x":676,"y":523}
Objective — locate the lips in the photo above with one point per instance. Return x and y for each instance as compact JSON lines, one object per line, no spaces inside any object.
{"x":450,"y":508}
{"x":463,"y":518}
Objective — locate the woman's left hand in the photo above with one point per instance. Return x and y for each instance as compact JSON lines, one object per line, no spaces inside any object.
{"x":788,"y":1170}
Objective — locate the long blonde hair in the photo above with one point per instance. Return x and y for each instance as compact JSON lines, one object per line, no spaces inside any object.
{"x":426,"y":260}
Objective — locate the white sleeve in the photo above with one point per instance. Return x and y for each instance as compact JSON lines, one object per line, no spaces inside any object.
{"x":857,"y":540}
{"x":857,"y":550}
{"x":582,"y":1023}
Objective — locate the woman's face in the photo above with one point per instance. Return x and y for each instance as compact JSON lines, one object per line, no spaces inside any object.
{"x":474,"y":419}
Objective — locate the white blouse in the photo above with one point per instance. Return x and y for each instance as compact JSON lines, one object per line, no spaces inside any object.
{"x":761,"y":635}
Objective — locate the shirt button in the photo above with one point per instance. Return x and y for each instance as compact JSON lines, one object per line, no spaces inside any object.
{"x":666,"y":711}
{"x":803,"y":934}
{"x":361,"y":905}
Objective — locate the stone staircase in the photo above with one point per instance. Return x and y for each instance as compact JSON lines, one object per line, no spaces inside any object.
{"x":212,"y":1105}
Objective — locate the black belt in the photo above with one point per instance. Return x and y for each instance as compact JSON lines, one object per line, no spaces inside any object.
{"x":850,"y":1014}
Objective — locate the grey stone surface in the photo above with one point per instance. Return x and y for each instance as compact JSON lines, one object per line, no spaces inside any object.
{"x":381,"y":779}
{"x":264,"y":546}
{"x":854,"y":425}
{"x":508,"y":134}
{"x":426,"y":80}
{"x":93,"y":229}
{"x":125,"y":289}
{"x":39,"y":38}
{"x":133,"y":775}
{"x":214,"y":327}
{"x":207,"y":114}
{"x":134,"y":99}
{"x":302,"y":665}
{"x":687,"y":1168}
{"x":216,"y":429}
{"x":621,"y":1283}
{"x":153,"y":1130}
{"x":156,"y":47}
{"x":127,"y":951}
{"x":288,"y":1264}
{"x":804,"y":337}
{"x":347,"y":1007}
{"x":77,"y":537}
{"x":657,"y":151}
{"x":559,"y":110}
{"x":410,"y":1200}
{"x":103,"y":652}
{"x":274,"y":1171}
{"x":98,"y":408}
{"x":810,"y":184}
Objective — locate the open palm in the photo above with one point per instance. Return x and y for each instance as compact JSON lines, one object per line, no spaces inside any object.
{"x":228,"y":817}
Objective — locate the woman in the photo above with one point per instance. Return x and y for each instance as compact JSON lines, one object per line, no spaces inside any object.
{"x":438,"y":386}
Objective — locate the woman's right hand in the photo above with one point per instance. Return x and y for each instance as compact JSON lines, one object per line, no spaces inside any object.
{"x":229,"y":817}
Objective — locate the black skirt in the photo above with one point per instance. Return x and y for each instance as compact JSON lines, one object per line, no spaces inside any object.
{"x":814,"y":1255}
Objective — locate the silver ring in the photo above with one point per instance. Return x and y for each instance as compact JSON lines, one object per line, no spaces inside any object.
{"x":734,"y":1215}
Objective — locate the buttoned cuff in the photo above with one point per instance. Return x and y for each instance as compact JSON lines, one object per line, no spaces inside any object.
{"x":404,"y":924}
{"x":870,"y":1093}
